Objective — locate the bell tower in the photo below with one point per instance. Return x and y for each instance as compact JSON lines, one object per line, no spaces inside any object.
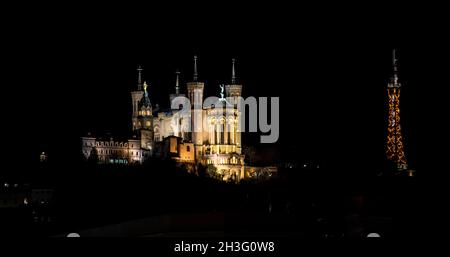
{"x":177,"y":88}
{"x":233,"y":90}
{"x":136,"y":96}
{"x":195,"y":95}
{"x":145,"y":120}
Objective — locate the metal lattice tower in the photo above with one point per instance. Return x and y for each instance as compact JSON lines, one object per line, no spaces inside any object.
{"x":394,"y":149}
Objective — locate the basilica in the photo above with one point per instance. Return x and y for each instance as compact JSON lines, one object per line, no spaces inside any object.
{"x":172,"y":134}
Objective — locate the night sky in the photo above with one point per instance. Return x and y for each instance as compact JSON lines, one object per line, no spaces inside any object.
{"x":72,"y":71}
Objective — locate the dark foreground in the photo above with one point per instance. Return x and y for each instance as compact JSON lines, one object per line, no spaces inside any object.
{"x":161,"y":200}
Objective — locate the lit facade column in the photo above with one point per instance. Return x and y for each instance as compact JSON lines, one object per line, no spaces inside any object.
{"x":225,"y":132}
{"x":211,"y":133}
{"x":217,"y":132}
{"x":232,"y":132}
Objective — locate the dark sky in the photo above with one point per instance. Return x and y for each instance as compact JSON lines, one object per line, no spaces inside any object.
{"x":72,"y":70}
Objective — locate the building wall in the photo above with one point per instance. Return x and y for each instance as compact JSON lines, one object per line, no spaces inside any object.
{"x":110,"y":151}
{"x":173,"y":144}
{"x":175,"y":148}
{"x":186,"y":152}
{"x":260,"y":172}
{"x":175,"y":123}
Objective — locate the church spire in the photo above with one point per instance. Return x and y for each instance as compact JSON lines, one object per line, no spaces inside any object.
{"x":177,"y":83}
{"x":195,"y":69}
{"x":233,"y":72}
{"x":139,"y":83}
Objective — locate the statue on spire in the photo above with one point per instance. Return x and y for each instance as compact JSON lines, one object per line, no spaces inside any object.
{"x":221,"y":92}
{"x":145,"y":88}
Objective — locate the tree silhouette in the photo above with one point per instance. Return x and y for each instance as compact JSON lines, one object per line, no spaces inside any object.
{"x":93,"y":157}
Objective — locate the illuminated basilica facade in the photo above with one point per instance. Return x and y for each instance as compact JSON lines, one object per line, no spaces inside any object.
{"x":170,"y":134}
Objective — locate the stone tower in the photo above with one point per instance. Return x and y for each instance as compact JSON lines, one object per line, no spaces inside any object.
{"x":177,"y":89}
{"x":145,"y":120}
{"x":233,"y":90}
{"x":136,"y":96}
{"x":195,"y":95}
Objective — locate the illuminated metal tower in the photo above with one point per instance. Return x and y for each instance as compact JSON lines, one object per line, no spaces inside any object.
{"x":394,"y":149}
